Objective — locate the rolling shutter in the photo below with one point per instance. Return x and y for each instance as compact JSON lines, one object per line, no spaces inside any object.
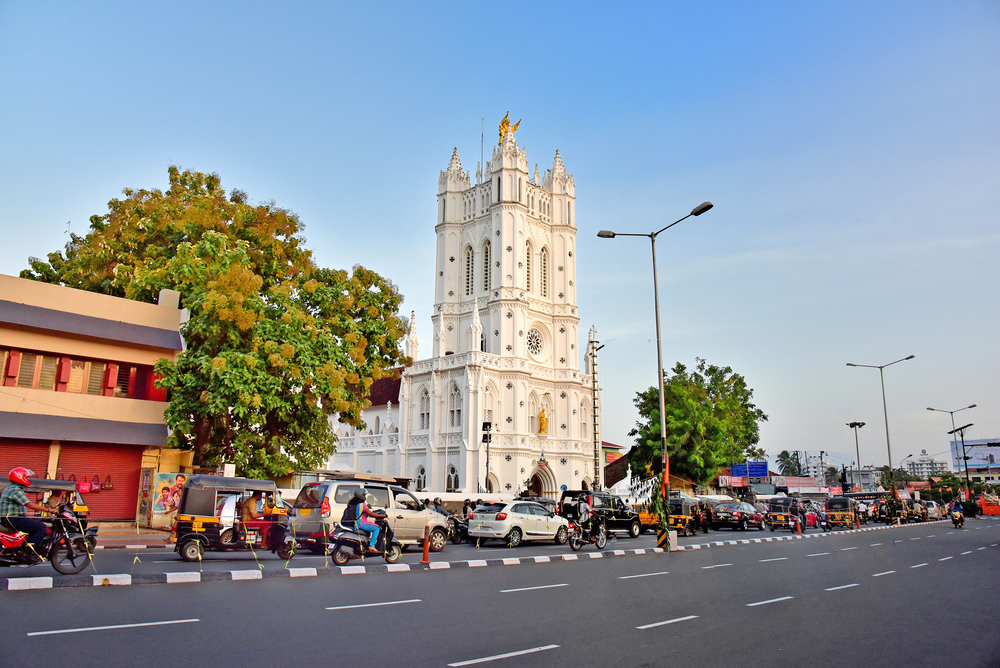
{"x":121,"y":462}
{"x":33,"y":455}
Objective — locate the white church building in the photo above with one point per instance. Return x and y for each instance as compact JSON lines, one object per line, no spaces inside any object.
{"x":505,"y":349}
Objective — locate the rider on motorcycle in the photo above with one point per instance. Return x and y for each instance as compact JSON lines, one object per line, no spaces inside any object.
{"x":361,"y":517}
{"x":13,"y":509}
{"x":584,"y":513}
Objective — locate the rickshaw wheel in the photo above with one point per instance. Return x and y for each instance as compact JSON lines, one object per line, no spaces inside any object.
{"x":191,"y":550}
{"x":226,"y":537}
{"x":286,"y":551}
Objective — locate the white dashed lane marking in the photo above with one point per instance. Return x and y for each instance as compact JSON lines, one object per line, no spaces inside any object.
{"x":878,"y":575}
{"x":818,"y":554}
{"x":113,"y":626}
{"x":705,"y":568}
{"x":669,"y":621}
{"x":643,"y":575}
{"x":508,"y":591}
{"x":770,"y":600}
{"x":919,"y":565}
{"x":775,"y":559}
{"x":842,"y":587}
{"x":845,"y":549}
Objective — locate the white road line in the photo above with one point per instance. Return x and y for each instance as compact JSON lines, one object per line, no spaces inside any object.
{"x":949,"y":533}
{"x":969,"y":552}
{"x":932,"y":535}
{"x":845,"y":549}
{"x":818,"y":554}
{"x":508,"y":591}
{"x":842,"y":587}
{"x":705,"y":568}
{"x":772,"y":600}
{"x":917,"y":538}
{"x":775,"y":559}
{"x":874,"y":544}
{"x":113,"y":626}
{"x":878,"y":575}
{"x":495,"y":657}
{"x":897,"y":541}
{"x":644,"y":575}
{"x":919,"y":565}
{"x":373,"y":605}
{"x":669,"y":621}
{"x":980,"y":548}
{"x":945,"y":558}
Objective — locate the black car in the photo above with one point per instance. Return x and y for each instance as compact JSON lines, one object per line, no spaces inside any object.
{"x":737,"y":515}
{"x":617,"y":514}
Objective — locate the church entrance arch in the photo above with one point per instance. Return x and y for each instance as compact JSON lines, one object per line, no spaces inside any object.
{"x":543,"y":483}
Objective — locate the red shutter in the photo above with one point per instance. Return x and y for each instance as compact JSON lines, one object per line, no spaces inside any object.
{"x":121,"y":462}
{"x":32,"y":455}
{"x":10,"y":380}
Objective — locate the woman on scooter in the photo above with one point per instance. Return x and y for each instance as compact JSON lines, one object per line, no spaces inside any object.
{"x":360,"y":515}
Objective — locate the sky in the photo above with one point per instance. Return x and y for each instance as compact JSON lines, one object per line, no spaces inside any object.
{"x":850,"y":150}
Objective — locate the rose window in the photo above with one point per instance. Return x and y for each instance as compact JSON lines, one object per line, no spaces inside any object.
{"x":534,"y":342}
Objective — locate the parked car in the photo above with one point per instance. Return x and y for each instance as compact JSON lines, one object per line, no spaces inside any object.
{"x":618,"y":515}
{"x":320,"y":506}
{"x":737,"y":515}
{"x":934,"y":510}
{"x":517,"y":521}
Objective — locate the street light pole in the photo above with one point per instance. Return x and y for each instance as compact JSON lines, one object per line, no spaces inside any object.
{"x":885,"y":411}
{"x":952,"y":414}
{"x":608,"y":234}
{"x":965,"y":457}
{"x":855,"y":426}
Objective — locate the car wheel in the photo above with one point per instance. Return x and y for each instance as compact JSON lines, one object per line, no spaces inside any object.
{"x":515,"y":537}
{"x":743,"y":525}
{"x":561,"y":536}
{"x":634,"y":529}
{"x":438,"y":540}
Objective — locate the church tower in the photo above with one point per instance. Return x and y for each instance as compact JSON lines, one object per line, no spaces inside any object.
{"x":505,"y":339}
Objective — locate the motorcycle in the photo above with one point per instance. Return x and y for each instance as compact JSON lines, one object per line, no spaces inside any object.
{"x":957,"y":518}
{"x":458,"y":529}
{"x":63,"y":546}
{"x":347,"y":544}
{"x":598,"y":535}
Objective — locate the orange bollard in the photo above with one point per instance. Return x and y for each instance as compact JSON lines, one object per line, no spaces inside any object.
{"x":798,"y":526}
{"x":427,"y":546}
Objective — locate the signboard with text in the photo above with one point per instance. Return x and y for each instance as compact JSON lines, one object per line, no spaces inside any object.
{"x":757,"y":469}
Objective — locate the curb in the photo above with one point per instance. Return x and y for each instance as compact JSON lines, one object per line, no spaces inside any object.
{"x":126,"y":579}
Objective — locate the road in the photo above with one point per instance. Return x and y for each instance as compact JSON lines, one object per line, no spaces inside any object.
{"x":915,"y":595}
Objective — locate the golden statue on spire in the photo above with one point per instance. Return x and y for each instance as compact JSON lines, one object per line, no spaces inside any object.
{"x":506,"y":127}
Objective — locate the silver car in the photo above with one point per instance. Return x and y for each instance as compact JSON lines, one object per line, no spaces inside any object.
{"x":517,"y":521}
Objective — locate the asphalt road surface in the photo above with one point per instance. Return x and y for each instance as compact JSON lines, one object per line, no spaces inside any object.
{"x":917,"y":595}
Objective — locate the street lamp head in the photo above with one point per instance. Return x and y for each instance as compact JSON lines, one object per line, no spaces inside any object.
{"x":851,"y":364}
{"x":606,"y":234}
{"x":701,"y":208}
{"x":929,"y":408}
{"x":910,"y":357}
{"x":972,"y":406}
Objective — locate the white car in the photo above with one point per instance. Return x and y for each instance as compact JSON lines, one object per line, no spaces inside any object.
{"x":517,"y":521}
{"x":934,"y":511}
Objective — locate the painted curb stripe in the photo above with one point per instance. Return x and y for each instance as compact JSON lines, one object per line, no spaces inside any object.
{"x":175,"y":578}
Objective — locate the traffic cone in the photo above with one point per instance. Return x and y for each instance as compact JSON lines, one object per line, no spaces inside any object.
{"x":798,"y":526}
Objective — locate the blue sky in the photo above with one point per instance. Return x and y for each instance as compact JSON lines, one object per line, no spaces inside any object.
{"x":851,"y":150}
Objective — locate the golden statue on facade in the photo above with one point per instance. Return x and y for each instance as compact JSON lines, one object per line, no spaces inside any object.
{"x":506,"y":127}
{"x":543,"y":423}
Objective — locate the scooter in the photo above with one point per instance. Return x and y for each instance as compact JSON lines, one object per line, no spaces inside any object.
{"x":458,"y":530}
{"x":957,"y":518}
{"x":347,"y":544}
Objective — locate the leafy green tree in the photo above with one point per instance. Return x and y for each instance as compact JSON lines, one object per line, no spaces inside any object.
{"x":710,"y":418}
{"x":832,"y":475}
{"x":275,"y":344}
{"x":788,"y":463}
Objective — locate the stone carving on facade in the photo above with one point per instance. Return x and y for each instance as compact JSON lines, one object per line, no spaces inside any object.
{"x":454,"y":178}
{"x":412,"y":344}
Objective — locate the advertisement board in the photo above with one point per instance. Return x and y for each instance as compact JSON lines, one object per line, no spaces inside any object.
{"x":757,"y":469}
{"x":981,"y":453}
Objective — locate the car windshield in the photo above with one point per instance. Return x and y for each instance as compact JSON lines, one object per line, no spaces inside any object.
{"x":311,"y":496}
{"x":728,"y":507}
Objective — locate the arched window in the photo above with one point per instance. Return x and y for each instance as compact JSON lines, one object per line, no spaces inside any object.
{"x":487,"y":271}
{"x":532,"y":415}
{"x":488,"y":403}
{"x":451,"y":484}
{"x":529,"y":251}
{"x":425,"y":409}
{"x":584,"y":414}
{"x":519,"y":189}
{"x":482,"y":342}
{"x":470,"y":270}
{"x":377,"y":430}
{"x":455,"y":408}
{"x":543,"y":272}
{"x":421,"y":482}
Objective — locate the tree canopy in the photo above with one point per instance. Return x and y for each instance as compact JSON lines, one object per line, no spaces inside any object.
{"x":275,"y":345}
{"x":789,"y":463}
{"x":711,"y":421}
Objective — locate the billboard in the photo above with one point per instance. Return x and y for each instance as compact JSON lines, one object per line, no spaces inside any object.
{"x":981,"y":453}
{"x":757,"y":469}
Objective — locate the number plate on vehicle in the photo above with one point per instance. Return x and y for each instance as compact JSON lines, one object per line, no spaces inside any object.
{"x":304,"y":512}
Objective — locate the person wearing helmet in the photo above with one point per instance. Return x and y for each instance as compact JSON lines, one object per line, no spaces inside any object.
{"x":583,"y":512}
{"x":362,"y":517}
{"x":14,"y":505}
{"x":439,"y":507}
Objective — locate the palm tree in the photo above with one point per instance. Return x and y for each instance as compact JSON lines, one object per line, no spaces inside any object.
{"x":832,"y":475}
{"x":788,"y":463}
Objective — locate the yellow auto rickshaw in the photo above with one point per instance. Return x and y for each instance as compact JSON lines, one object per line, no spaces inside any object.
{"x":209,"y":518}
{"x":685,"y":516}
{"x":841,"y":512}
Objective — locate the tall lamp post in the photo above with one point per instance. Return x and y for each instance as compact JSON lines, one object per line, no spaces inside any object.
{"x":961,"y":432}
{"x":855,"y":426}
{"x":885,"y":413}
{"x":900,"y":467}
{"x":953,"y":430}
{"x":608,"y":234}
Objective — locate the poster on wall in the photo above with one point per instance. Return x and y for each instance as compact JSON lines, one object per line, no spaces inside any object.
{"x":166,"y":494}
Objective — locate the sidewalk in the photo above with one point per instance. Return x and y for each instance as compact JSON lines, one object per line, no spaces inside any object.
{"x":126,"y":535}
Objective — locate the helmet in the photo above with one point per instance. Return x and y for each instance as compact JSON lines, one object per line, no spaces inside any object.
{"x":359,"y":494}
{"x":19,"y":474}
{"x":437,"y":499}
{"x":467,"y":502}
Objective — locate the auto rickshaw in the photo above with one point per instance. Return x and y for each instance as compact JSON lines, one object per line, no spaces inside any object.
{"x":209,"y":519}
{"x":685,"y":516}
{"x":841,"y":512}
{"x":784,"y":513}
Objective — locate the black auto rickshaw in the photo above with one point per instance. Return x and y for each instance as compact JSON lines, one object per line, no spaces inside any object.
{"x":784,"y":512}
{"x":209,"y":518}
{"x":841,"y":512}
{"x":685,"y":517}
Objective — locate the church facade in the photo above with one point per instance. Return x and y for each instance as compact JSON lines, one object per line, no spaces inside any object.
{"x":501,"y":405}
